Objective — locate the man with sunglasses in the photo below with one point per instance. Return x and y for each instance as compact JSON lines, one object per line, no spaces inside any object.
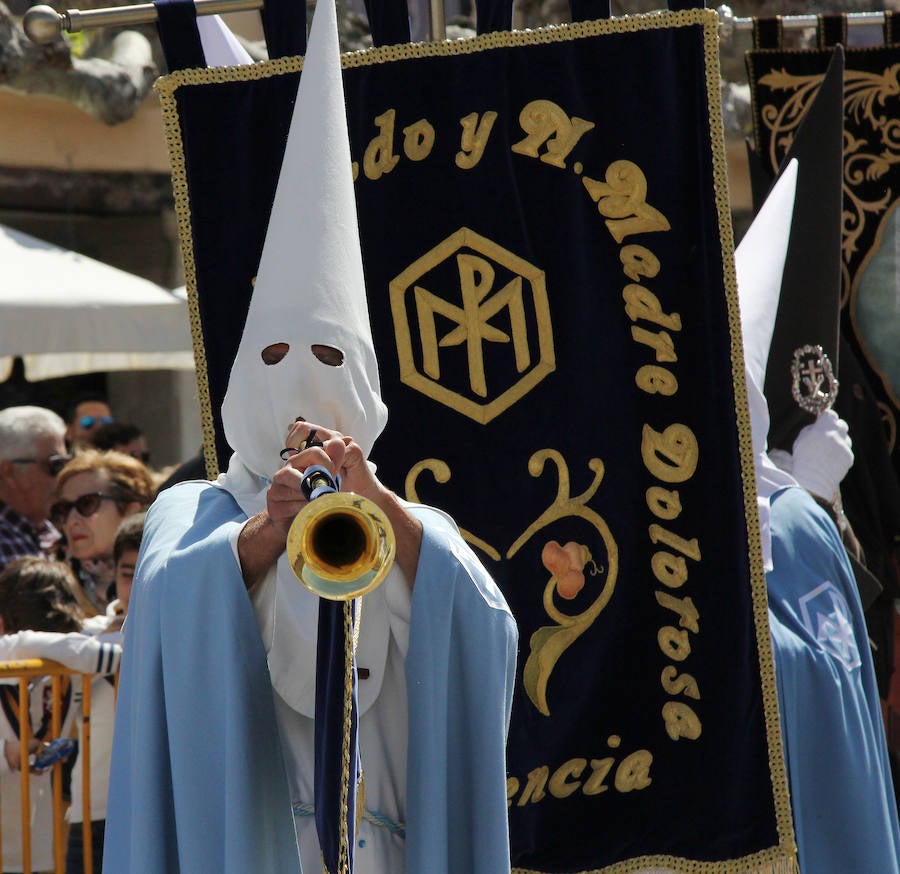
{"x":85,"y":415}
{"x":32,"y":452}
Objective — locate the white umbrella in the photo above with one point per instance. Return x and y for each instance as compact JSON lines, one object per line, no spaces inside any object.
{"x":65,"y":313}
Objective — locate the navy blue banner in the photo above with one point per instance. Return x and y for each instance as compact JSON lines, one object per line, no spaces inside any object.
{"x":783,"y":86}
{"x":548,"y":258}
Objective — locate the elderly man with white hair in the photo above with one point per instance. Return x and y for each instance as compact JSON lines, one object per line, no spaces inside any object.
{"x":32,"y":451}
{"x":842,"y":800}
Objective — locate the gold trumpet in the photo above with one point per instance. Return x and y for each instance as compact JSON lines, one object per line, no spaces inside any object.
{"x":340,"y":545}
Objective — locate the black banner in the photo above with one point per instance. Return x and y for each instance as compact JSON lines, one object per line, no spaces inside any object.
{"x":548,"y":257}
{"x":784,"y":83}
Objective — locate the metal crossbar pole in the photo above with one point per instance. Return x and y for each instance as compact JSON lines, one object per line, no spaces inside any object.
{"x":729,"y":23}
{"x":43,"y":24}
{"x":437,"y":25}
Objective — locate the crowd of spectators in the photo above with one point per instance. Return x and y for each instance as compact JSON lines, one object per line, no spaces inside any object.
{"x":73,"y":491}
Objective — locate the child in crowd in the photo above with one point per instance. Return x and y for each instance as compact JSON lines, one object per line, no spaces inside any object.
{"x":103,"y":702}
{"x":39,"y":618}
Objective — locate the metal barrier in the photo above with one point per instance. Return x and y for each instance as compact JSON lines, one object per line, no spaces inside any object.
{"x":24,"y":672}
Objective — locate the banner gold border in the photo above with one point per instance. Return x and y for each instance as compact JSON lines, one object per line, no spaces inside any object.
{"x":782,"y":858}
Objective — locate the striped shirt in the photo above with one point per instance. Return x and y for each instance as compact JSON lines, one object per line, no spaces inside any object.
{"x":78,"y":652}
{"x":20,"y":538}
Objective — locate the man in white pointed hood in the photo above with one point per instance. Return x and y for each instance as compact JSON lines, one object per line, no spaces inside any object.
{"x":213,"y":760}
{"x":845,"y":817}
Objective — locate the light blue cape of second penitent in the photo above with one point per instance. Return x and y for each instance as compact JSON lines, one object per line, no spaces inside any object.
{"x":197,"y":783}
{"x":842,"y":798}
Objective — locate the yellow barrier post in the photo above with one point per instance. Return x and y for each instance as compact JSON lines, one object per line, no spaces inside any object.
{"x":59,"y":858}
{"x":25,"y":771}
{"x":22,"y":671}
{"x":86,"y":825}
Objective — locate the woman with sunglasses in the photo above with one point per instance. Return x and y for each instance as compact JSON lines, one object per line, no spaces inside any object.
{"x":95,"y":492}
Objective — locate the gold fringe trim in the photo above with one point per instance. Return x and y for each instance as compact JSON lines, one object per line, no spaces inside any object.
{"x":759,"y":596}
{"x":777,"y":860}
{"x":346,"y":751}
{"x":760,"y":863}
{"x":183,"y":219}
{"x":708,"y":18}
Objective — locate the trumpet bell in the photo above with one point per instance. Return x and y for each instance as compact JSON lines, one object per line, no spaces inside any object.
{"x":340,"y":546}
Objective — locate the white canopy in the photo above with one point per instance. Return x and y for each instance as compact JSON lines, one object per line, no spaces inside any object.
{"x":65,"y":313}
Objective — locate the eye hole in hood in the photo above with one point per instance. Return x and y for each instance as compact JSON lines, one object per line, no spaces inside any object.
{"x":275,"y":352}
{"x":328,"y":355}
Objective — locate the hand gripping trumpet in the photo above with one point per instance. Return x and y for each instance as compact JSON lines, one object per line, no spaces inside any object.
{"x":340,"y":545}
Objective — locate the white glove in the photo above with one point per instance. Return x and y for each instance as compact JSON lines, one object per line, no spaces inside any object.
{"x":822,"y":455}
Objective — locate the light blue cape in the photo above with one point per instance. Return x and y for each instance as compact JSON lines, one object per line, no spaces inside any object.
{"x":842,"y":798}
{"x":197,"y":782}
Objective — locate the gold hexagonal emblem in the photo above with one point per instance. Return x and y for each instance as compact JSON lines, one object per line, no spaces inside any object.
{"x":466,"y":295}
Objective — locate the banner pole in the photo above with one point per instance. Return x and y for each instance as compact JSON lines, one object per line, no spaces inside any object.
{"x":437,"y":25}
{"x":43,"y":24}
